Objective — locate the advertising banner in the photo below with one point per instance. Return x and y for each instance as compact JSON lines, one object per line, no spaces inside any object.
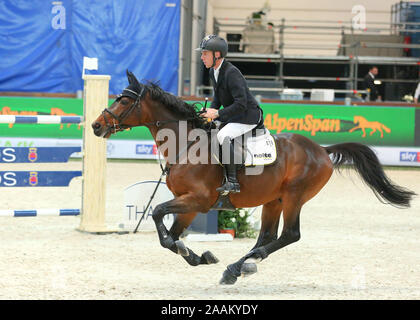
{"x":382,"y":127}
{"x":330,"y":124}
{"x":398,"y":156}
{"x":57,"y":107}
{"x":136,"y":198}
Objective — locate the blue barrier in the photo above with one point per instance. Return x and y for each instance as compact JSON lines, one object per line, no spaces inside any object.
{"x":36,"y":154}
{"x":48,"y":119}
{"x":39,"y":212}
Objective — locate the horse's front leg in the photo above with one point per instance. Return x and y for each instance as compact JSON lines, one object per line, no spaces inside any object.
{"x":158,"y":214}
{"x":170,"y":240}
{"x":182,"y":221}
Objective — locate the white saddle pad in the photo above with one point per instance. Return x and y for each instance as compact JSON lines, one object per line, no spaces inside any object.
{"x":260,"y":150}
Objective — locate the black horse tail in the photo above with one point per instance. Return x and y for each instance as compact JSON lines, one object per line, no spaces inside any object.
{"x":367,"y":164}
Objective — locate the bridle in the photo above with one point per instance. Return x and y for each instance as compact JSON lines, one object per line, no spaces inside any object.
{"x":117,"y":120}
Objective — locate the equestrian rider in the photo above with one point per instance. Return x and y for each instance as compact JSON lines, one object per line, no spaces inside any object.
{"x":240,"y":113}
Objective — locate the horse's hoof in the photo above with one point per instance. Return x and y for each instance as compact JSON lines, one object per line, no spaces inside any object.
{"x":210,"y":257}
{"x":181,"y":248}
{"x":248,"y":269}
{"x":228,"y":278}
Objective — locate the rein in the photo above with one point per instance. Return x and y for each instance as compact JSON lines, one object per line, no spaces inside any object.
{"x":117,"y":125}
{"x":165,"y":171}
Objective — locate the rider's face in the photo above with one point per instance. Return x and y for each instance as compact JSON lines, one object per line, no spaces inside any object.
{"x":207,"y":58}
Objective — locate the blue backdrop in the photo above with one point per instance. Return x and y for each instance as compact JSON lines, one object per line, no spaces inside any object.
{"x":42,"y":43}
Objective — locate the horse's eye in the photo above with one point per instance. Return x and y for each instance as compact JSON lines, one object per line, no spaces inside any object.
{"x":124,"y":102}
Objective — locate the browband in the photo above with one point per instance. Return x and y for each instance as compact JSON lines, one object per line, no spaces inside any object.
{"x":131,"y":91}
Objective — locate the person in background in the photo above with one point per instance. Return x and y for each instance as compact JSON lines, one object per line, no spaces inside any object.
{"x":417,"y":94}
{"x":369,"y":83}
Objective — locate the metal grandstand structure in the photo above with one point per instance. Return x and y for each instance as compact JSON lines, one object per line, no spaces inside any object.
{"x":307,"y":54}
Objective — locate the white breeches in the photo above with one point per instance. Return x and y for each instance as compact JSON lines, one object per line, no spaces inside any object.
{"x":233,"y":130}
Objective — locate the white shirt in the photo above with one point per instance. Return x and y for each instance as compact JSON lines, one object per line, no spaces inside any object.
{"x":216,"y":71}
{"x":373,"y":77}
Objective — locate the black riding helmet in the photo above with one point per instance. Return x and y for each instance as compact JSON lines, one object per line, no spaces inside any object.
{"x":214,"y":43}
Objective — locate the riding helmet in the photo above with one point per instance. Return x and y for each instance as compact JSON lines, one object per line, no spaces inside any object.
{"x":213,"y":43}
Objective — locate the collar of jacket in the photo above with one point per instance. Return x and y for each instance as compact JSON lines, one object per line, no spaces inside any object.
{"x":220,"y":77}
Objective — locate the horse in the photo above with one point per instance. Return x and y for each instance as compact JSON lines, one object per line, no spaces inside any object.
{"x":301,"y":170}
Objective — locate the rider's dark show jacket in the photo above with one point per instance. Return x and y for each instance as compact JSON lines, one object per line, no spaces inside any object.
{"x":231,"y":91}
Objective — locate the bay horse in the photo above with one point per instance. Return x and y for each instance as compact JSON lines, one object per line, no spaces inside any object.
{"x":301,"y":170}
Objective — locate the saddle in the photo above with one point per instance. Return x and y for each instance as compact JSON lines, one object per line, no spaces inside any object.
{"x":253,"y":149}
{"x":256,"y":148}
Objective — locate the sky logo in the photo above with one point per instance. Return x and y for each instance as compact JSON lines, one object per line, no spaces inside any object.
{"x":409,"y":156}
{"x":145,"y":149}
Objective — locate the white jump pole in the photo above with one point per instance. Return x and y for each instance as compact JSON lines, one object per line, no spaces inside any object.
{"x":95,"y":99}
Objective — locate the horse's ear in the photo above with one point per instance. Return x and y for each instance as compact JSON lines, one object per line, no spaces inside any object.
{"x":130,"y":76}
{"x":132,"y":79}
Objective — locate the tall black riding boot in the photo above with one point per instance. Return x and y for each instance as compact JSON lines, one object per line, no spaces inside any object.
{"x":231,"y":184}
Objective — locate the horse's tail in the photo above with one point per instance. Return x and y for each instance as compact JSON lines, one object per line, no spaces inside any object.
{"x":367,"y":164}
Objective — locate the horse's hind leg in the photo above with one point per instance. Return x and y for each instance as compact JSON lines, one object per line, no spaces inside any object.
{"x":290,"y":234}
{"x":293,"y":201}
{"x":269,"y":222}
{"x":269,"y":226}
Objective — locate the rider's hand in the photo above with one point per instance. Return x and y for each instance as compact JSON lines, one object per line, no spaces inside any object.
{"x":211,"y":114}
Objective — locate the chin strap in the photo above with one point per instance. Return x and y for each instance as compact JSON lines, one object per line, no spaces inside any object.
{"x":214,"y":60}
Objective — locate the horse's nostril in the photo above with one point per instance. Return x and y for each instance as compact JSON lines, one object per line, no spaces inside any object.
{"x":96,"y":125}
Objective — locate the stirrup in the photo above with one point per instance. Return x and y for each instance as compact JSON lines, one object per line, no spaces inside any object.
{"x":229,"y":187}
